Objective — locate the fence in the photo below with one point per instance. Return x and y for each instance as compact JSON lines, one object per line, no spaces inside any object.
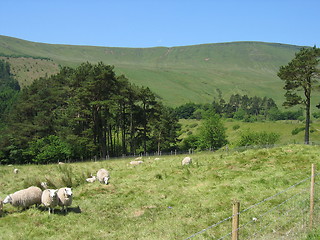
{"x":288,"y":214}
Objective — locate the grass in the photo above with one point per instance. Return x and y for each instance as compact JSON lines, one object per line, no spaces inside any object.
{"x":159,"y":199}
{"x":177,"y":75}
{"x":284,"y":128}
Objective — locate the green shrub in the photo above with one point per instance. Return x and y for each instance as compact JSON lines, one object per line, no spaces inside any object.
{"x":258,"y":138}
{"x":297,"y":130}
{"x":236,"y":127}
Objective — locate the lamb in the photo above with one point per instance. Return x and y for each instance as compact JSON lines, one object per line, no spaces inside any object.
{"x":15,"y":171}
{"x":49,"y":198}
{"x":186,"y":161}
{"x":64,"y":197}
{"x":92,"y":179}
{"x":103,"y":176}
{"x":24,"y":198}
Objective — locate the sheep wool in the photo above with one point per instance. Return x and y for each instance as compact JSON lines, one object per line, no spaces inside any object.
{"x":103,"y":176}
{"x":25,"y":197}
{"x":187,"y":161}
{"x":135,"y":163}
{"x":64,"y":197}
{"x":49,"y":199}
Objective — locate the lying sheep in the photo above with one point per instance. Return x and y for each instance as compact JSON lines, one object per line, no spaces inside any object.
{"x":103,"y":176}
{"x":135,"y":163}
{"x":92,"y":179}
{"x":64,"y":197}
{"x":186,"y":161}
{"x":49,"y":199}
{"x":16,"y":171}
{"x":24,"y":198}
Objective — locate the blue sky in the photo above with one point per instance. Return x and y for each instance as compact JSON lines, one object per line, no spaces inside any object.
{"x":142,"y":23}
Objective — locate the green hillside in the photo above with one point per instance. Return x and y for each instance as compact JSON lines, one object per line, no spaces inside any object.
{"x":178,"y":74}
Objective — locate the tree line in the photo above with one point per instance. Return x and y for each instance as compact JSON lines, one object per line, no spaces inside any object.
{"x":239,"y":107}
{"x":83,"y":113}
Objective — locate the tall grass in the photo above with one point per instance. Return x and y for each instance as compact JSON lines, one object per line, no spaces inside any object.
{"x":159,"y":199}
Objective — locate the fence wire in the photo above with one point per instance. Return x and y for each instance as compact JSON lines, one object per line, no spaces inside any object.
{"x":299,"y":203}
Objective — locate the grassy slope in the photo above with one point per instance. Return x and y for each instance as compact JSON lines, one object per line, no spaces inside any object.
{"x":160,"y":199}
{"x":180,"y":74}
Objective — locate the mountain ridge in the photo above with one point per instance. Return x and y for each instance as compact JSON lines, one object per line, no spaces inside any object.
{"x":178,"y":74}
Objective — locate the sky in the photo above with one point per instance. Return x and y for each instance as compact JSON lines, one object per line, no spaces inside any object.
{"x":169,"y":23}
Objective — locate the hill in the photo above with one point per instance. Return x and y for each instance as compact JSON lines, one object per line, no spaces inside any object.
{"x":178,"y":74}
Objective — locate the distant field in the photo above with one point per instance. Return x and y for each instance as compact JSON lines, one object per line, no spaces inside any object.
{"x":161,"y":200}
{"x":177,"y":75}
{"x":284,"y":128}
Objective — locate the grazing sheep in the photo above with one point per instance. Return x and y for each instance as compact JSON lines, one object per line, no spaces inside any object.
{"x":49,"y":198}
{"x":138,"y":158}
{"x":187,"y":161}
{"x":15,"y":171}
{"x":103,"y":176}
{"x":64,"y":197}
{"x":91,"y":180}
{"x":135,"y":163}
{"x":24,"y":198}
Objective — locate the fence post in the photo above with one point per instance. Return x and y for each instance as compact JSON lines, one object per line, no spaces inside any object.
{"x":235,"y":220}
{"x":313,"y":170}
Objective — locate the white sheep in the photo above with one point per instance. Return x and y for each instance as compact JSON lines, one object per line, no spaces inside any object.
{"x":135,"y":163}
{"x":187,"y":161}
{"x":49,"y":199}
{"x":64,"y":197}
{"x":24,"y":198}
{"x":103,"y":176}
{"x":16,"y":171}
{"x":91,"y":179}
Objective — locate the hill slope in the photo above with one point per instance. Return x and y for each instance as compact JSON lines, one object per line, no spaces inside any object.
{"x":178,"y":74}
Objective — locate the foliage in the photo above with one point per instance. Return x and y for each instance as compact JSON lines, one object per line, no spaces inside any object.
{"x":92,"y":111}
{"x":301,"y":75}
{"x":212,"y":133}
{"x":50,"y":149}
{"x":258,"y":138}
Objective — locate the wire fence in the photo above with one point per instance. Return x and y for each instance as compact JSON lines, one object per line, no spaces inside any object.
{"x":288,"y":214}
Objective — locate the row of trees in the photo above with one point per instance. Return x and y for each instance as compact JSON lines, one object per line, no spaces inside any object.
{"x":83,"y":113}
{"x":239,"y":107}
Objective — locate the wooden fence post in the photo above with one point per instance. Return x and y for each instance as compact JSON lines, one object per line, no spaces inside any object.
{"x":313,"y":170}
{"x":235,"y":220}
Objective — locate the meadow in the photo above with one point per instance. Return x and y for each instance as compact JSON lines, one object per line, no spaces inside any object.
{"x":161,"y":199}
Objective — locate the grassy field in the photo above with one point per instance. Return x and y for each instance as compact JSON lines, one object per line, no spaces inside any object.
{"x":234,"y":129}
{"x":177,"y":75}
{"x":160,"y":199}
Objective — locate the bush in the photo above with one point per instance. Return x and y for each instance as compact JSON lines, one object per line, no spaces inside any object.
{"x":297,"y":130}
{"x":236,"y":127}
{"x":258,"y":138}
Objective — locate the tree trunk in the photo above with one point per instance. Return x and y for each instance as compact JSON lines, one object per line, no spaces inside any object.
{"x":308,"y":100}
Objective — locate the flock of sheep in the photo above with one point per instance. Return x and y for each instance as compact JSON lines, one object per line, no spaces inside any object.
{"x":50,"y":198}
{"x":62,"y":197}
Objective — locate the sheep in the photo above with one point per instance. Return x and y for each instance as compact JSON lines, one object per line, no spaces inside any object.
{"x":135,"y":163}
{"x":64,"y":197}
{"x":24,"y":198}
{"x":16,"y":171}
{"x":187,"y":161}
{"x":49,"y":198}
{"x":92,"y":179}
{"x":103,"y":176}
